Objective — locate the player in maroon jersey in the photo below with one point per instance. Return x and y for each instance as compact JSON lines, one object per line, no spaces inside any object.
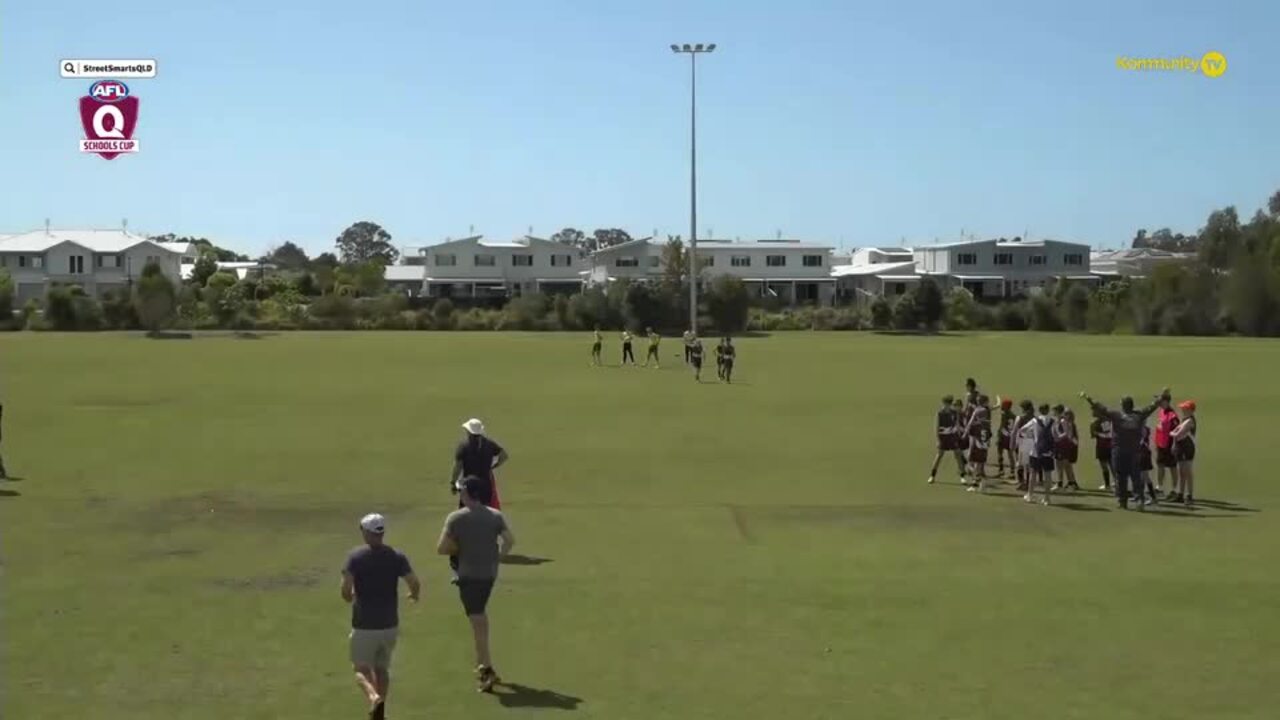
{"x":978,"y":432}
{"x":1066,"y":441}
{"x":1100,"y":431}
{"x":1004,"y":438}
{"x":945,"y":430}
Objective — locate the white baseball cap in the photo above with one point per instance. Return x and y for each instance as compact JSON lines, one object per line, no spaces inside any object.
{"x":374,"y":523}
{"x":474,"y":426}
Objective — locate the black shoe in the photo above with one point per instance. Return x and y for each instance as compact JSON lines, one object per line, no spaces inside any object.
{"x":379,"y":711}
{"x":486,"y":678}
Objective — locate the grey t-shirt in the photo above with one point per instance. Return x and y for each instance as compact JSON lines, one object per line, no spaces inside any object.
{"x":476,"y":531}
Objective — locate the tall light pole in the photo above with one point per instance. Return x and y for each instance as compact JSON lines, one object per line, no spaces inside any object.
{"x":693,"y":51}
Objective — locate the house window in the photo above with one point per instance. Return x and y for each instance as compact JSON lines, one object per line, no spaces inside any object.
{"x":153,"y":259}
{"x":75,"y":264}
{"x":899,"y":288}
{"x":740,"y":261}
{"x":561,"y":260}
{"x":654,"y":261}
{"x":108,"y":261}
{"x":775,"y":260}
{"x":708,"y":260}
{"x":22,"y":261}
{"x":446,"y":260}
{"x":627,"y":261}
{"x":1037,"y":259}
{"x":813,"y":261}
{"x":486,"y":261}
{"x":522,"y":260}
{"x":1073,"y":259}
{"x":967,"y":259}
{"x":1004,"y":258}
{"x":37,"y":261}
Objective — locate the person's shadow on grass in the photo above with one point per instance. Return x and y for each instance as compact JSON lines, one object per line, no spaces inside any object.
{"x":524,"y":560}
{"x":515,"y":695}
{"x":9,"y":493}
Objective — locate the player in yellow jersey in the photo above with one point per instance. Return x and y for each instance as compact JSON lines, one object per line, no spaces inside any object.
{"x":654,"y":339}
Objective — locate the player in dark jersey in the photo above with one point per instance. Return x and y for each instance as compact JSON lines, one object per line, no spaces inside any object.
{"x":978,"y":432}
{"x":1100,"y":431}
{"x":596,"y":346}
{"x":1066,"y":447}
{"x":730,"y":357}
{"x":1184,"y":449}
{"x":3,"y":475}
{"x":720,"y":359}
{"x":1004,"y":438}
{"x":695,"y":358}
{"x":945,"y":429}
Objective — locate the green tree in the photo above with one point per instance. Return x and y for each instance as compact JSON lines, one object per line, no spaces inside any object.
{"x":206,"y":265}
{"x":960,"y":310}
{"x":117,"y":310}
{"x":288,"y":256}
{"x":366,"y":242}
{"x":571,"y":236}
{"x":1220,"y":240}
{"x":59,"y":308}
{"x":1044,"y":314}
{"x":906,"y":315}
{"x":729,"y":304}
{"x":881,"y":313}
{"x":928,"y":300}
{"x":526,"y":312}
{"x":607,"y":237}
{"x":205,"y":245}
{"x":1075,"y":308}
{"x":1253,"y":297}
{"x":642,"y":307}
{"x":367,"y":279}
{"x":442,"y":314}
{"x":7,"y":290}
{"x":154,"y":298}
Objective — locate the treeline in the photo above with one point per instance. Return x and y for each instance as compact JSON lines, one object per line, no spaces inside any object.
{"x":1230,"y":286}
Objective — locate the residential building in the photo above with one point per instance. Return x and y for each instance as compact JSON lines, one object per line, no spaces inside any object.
{"x":96,"y":260}
{"x":792,"y":271}
{"x":1132,"y":262}
{"x":474,"y":267}
{"x":990,"y":269}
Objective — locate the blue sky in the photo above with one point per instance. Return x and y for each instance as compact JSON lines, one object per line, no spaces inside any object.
{"x":854,"y":123}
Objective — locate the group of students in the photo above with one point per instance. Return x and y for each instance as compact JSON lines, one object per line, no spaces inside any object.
{"x":1042,"y":446}
{"x":726,"y":352}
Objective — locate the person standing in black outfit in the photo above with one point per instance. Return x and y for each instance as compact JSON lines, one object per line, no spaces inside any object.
{"x":477,"y":456}
{"x":1126,"y":428}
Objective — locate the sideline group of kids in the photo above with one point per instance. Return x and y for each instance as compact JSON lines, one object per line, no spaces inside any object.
{"x":1041,"y":446}
{"x":726,"y":353}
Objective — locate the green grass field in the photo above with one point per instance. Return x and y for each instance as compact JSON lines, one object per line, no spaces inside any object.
{"x":762,"y":550}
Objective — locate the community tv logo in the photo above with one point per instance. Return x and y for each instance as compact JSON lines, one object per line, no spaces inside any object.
{"x":109,"y":115}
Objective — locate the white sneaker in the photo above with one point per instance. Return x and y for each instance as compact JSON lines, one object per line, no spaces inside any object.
{"x":1044,"y":501}
{"x":972,"y":488}
{"x":1027,"y":498}
{"x":1104,"y":488}
{"x":930,"y":479}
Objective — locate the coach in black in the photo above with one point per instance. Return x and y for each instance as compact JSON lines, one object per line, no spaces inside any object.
{"x":1126,"y":426}
{"x":370,"y":580}
{"x":477,"y":456}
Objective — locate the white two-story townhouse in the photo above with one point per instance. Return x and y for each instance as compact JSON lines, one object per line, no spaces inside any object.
{"x":993,"y":269}
{"x":790,"y":270}
{"x":95,"y":260}
{"x":474,"y":267}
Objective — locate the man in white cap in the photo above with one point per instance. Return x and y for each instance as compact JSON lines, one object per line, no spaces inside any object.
{"x":370,"y":580}
{"x":477,"y":456}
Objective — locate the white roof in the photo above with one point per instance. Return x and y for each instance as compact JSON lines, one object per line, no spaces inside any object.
{"x":106,"y":241}
{"x":761,"y":245}
{"x":405,"y":273}
{"x":871,"y":268}
{"x":978,"y":277}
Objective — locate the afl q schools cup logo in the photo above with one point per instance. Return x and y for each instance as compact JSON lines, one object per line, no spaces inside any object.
{"x":109,"y":115}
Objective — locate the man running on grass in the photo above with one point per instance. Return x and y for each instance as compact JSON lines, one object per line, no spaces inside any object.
{"x":479,"y":537}
{"x":730,"y":354}
{"x":695,"y":358}
{"x":370,"y":580}
{"x":945,"y":430}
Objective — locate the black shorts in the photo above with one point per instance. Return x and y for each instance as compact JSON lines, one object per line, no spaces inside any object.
{"x":1002,"y":442}
{"x":474,"y":594}
{"x":595,"y":348}
{"x":948,"y":442}
{"x":1102,"y":453}
{"x":1070,"y":454}
{"x":1184,"y":452}
{"x":697,"y":361}
{"x":1165,"y":458}
{"x":653,"y":352}
{"x":1043,"y":463}
{"x":977,"y":455}
{"x":1144,"y":462}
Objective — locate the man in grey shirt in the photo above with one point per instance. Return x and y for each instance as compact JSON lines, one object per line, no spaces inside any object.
{"x":479,"y":537}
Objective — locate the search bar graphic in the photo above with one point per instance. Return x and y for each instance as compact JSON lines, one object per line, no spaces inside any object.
{"x":88,"y":69}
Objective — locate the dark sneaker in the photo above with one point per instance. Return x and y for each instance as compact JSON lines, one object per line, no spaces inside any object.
{"x":486,"y":678}
{"x":379,"y":711}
